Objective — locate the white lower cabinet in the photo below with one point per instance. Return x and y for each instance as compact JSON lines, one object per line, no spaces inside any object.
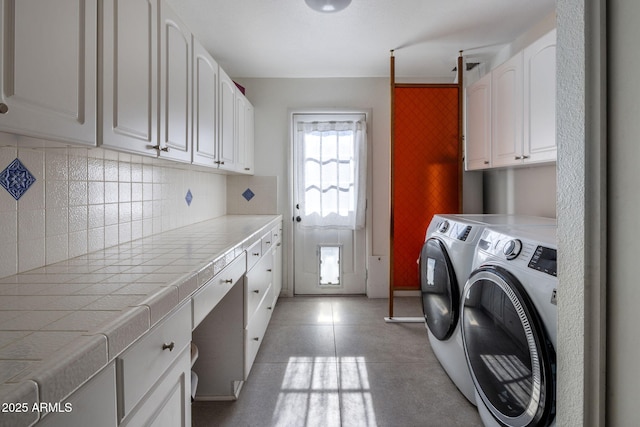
{"x":168,"y":404}
{"x":229,"y":335}
{"x":154,"y":369}
{"x":93,"y":404}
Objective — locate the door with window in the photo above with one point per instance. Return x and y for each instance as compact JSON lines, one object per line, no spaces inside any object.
{"x":329,"y":196}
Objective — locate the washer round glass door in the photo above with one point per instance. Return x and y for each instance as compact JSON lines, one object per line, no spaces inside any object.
{"x":439,"y":288}
{"x":512,"y":362}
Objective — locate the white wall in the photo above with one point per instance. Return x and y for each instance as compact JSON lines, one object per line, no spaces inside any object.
{"x":623,"y":199}
{"x":85,"y":200}
{"x":582,"y":243}
{"x":528,"y":191}
{"x":273,"y":99}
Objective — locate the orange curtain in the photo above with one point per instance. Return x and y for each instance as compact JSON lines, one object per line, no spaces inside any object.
{"x":426,"y":175}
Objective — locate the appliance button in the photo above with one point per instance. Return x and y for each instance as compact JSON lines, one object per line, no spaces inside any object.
{"x":512,"y":249}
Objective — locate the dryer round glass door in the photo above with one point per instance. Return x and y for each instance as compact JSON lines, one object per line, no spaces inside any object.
{"x":511,"y":360}
{"x":439,"y":287}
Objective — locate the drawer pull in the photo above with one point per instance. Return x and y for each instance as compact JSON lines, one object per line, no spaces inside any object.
{"x":269,"y":270}
{"x":228,"y":281}
{"x":256,"y":254}
{"x":256,"y":339}
{"x":269,"y":308}
{"x":169,"y":346}
{"x":257,"y":291}
{"x":518,"y":158}
{"x":268,"y":243}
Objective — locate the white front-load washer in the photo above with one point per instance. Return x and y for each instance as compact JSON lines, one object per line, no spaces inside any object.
{"x":445,"y":264}
{"x":509,"y":326}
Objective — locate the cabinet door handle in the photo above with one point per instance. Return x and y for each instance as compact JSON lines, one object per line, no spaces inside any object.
{"x":165,"y":149}
{"x":257,"y":291}
{"x":4,"y":108}
{"x":256,"y":254}
{"x":486,"y":162}
{"x":269,"y":308}
{"x":169,"y":346}
{"x":247,"y":169}
{"x":518,"y":157}
{"x":269,"y":270}
{"x":228,"y":281}
{"x":525,"y":157}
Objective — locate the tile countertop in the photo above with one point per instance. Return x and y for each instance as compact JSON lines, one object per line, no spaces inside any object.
{"x":62,"y":323}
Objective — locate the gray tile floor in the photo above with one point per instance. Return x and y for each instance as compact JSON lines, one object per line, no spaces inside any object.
{"x":333,"y":361}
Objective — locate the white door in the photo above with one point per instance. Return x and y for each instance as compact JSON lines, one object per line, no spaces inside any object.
{"x":329,"y":190}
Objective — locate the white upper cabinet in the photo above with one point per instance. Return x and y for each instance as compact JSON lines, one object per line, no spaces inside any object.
{"x":48,"y":69}
{"x":506,"y":112}
{"x":244,"y":134}
{"x":175,"y":87}
{"x":129,"y":80}
{"x":227,"y":102}
{"x":205,"y":107}
{"x":478,"y":136}
{"x":539,"y":144}
{"x":522,"y":110}
{"x":249,"y":140}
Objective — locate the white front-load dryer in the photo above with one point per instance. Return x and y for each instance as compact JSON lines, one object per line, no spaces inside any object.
{"x":508,"y":326}
{"x":445,"y":264}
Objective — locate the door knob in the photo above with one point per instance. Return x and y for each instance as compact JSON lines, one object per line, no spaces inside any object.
{"x":298,"y":219}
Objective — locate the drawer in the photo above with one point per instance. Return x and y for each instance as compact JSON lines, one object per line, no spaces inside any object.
{"x":276,"y":234}
{"x":256,"y":283}
{"x":267,"y":241}
{"x":254,"y":252}
{"x":140,"y":367}
{"x":212,"y":292}
{"x":254,"y":332}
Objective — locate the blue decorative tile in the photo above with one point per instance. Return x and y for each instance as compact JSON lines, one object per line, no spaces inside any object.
{"x":16,"y":179}
{"x":248,"y":194}
{"x":188,"y":197}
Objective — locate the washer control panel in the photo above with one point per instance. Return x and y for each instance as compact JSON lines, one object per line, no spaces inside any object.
{"x":545,"y":260}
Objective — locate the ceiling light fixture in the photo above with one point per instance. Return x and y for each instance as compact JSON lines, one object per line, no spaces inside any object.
{"x":327,"y":6}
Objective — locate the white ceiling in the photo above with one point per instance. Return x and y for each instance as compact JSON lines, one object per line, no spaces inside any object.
{"x":284,"y":38}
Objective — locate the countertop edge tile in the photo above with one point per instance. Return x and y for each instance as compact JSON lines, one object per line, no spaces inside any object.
{"x":24,"y":392}
{"x":160,"y":303}
{"x":122,"y":331}
{"x":68,"y":369}
{"x":186,"y":287}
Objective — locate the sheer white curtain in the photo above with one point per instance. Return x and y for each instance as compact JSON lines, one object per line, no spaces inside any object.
{"x":332,"y":175}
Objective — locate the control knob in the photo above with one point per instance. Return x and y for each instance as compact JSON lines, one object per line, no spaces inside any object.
{"x":512,"y":249}
{"x":444,"y":226}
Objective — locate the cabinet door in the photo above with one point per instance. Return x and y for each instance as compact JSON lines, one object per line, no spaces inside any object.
{"x":205,"y":107}
{"x":130,"y":75}
{"x":240,"y":131}
{"x":249,"y":139}
{"x":175,"y":87}
{"x":506,"y":100}
{"x":478,"y":137}
{"x":540,"y":100}
{"x":227,"y":122}
{"x":48,"y":69}
{"x":169,"y":402}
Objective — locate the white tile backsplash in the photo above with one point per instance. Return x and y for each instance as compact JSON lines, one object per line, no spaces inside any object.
{"x":88,"y":199}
